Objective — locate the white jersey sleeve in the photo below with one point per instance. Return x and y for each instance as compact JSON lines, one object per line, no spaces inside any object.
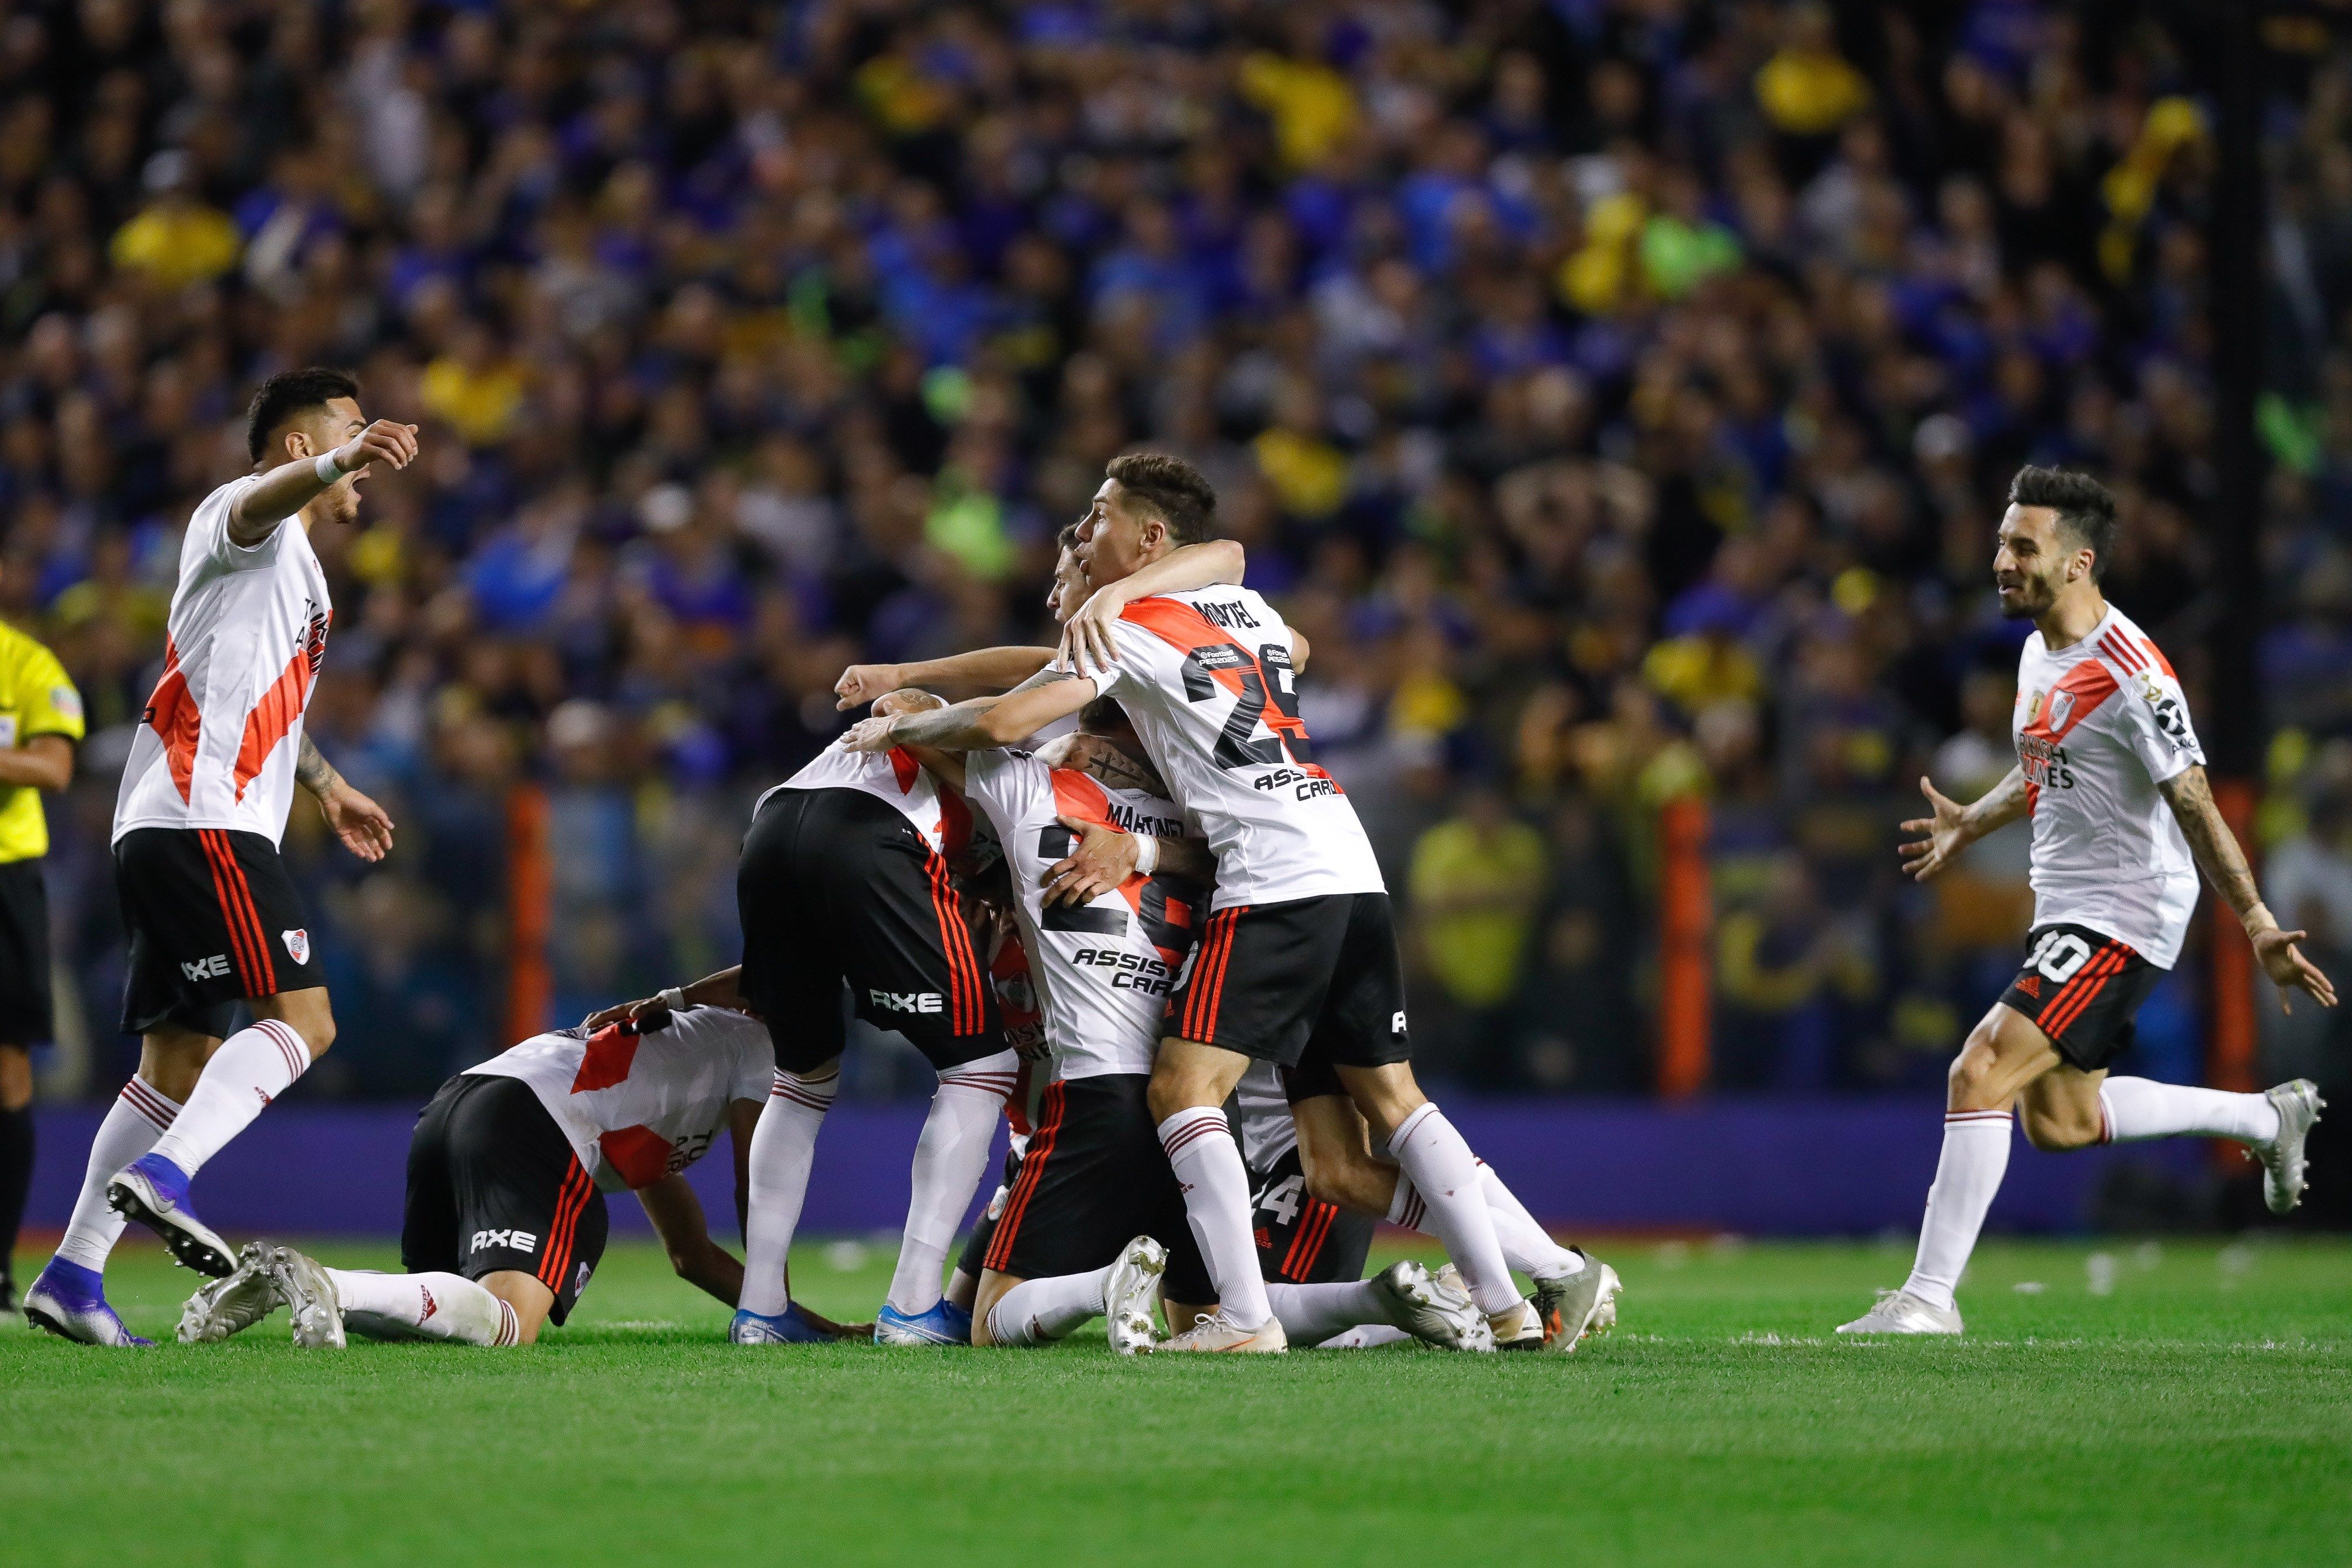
{"x":638,"y":1108}
{"x":895,"y":777}
{"x":1101,"y":971}
{"x":2153,"y":717}
{"x":1208,"y":681}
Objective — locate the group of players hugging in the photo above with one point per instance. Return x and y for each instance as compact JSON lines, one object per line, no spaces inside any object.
{"x":1105,"y":894}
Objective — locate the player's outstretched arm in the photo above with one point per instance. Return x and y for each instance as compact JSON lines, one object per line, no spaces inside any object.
{"x":979,"y":725}
{"x":1936,"y":841}
{"x":1105,"y":857}
{"x":677,"y":1220}
{"x":1086,"y":639}
{"x":2190,"y":796}
{"x":364,"y":827}
{"x":291,"y":486}
{"x":722,"y":989}
{"x":983,"y":672}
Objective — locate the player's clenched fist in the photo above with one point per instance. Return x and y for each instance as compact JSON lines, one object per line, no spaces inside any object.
{"x":381,"y":442}
{"x":861,"y":683}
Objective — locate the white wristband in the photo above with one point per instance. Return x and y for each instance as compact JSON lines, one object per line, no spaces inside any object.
{"x":327,"y":469}
{"x":1147,"y":854}
{"x":673,"y":997}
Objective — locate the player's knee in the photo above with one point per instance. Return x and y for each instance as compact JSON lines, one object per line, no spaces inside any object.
{"x":1973,"y":1071}
{"x":2059,"y":1131}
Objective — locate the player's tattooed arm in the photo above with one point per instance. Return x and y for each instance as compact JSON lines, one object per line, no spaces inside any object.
{"x":1936,"y":841}
{"x":291,"y":486}
{"x":2190,"y":796}
{"x":364,"y":827}
{"x":982,"y":724}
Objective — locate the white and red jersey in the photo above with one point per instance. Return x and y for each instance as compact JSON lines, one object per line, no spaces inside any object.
{"x":1103,"y":971}
{"x":894,"y":777}
{"x":639,"y":1107}
{"x":1207,"y":678}
{"x":246,"y":634}
{"x":2098,"y":726}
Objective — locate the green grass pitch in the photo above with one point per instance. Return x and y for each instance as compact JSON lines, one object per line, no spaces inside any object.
{"x":2189,"y":1402}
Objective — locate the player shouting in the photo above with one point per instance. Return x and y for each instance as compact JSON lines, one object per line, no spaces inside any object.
{"x":1298,"y":959}
{"x":213,"y":917}
{"x":2111,"y":774}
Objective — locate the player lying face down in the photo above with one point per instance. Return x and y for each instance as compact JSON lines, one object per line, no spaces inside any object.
{"x":504,"y":1219}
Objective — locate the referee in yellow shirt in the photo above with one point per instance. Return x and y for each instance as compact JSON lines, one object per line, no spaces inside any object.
{"x":40,"y":723}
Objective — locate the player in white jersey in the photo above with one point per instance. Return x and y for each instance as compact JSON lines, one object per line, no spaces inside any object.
{"x":508,"y":1170}
{"x":1298,"y":962}
{"x":214,"y":918}
{"x":2111,"y":774}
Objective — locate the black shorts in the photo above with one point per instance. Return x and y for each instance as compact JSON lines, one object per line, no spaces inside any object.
{"x":836,"y":888}
{"x":1303,"y":1240}
{"x":1094,"y":1179}
{"x":214,"y":919}
{"x":24,"y":954}
{"x":1316,"y":980}
{"x":2082,"y":988}
{"x":493,"y":1184}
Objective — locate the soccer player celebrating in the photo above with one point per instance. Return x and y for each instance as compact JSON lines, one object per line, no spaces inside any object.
{"x":1298,"y":960}
{"x":213,"y":915}
{"x":2111,"y":774}
{"x":507,"y":1175}
{"x":40,"y":724}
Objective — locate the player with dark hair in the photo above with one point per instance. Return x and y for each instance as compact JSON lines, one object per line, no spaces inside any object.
{"x":216,"y":922}
{"x":2111,"y":775}
{"x":1298,"y":962}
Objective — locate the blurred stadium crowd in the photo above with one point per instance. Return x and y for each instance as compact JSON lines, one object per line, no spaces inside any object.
{"x":1619,"y":393}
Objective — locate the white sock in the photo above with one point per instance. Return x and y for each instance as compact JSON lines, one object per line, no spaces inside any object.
{"x":1526,"y":1246}
{"x":1207,"y":1167}
{"x":252,"y":1067}
{"x":2139,"y":1108}
{"x":1976,"y":1154}
{"x":1364,"y":1337}
{"x":783,"y":1146}
{"x":1313,"y":1314}
{"x":1036,"y":1312}
{"x":1445,"y":1174}
{"x":950,"y":1157}
{"x":142,"y":1115}
{"x":423,"y":1306}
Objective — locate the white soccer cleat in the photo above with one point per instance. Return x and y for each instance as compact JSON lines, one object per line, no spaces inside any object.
{"x":1900,"y":1311}
{"x":232,"y":1305}
{"x":1219,"y":1333}
{"x":307,"y":1288}
{"x":2299,"y":1106}
{"x":1578,"y":1306}
{"x":1434,"y":1311}
{"x":1130,"y":1294}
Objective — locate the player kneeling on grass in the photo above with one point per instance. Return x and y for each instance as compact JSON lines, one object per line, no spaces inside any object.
{"x":507,"y":1172}
{"x":2112,"y":776}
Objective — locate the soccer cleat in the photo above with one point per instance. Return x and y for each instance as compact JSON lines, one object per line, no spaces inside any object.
{"x":1575,"y":1307}
{"x":232,"y":1305}
{"x":2299,"y":1106}
{"x":70,"y":1302}
{"x":1900,"y":1311}
{"x":1131,"y":1292}
{"x":308,"y":1291}
{"x":789,"y":1326}
{"x":1218,"y":1333}
{"x":945,"y":1323}
{"x":1434,"y":1311}
{"x":1519,"y":1327}
{"x":154,"y":1192}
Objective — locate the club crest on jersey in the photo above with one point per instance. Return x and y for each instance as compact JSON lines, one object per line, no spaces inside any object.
{"x":2062,"y":702}
{"x":297,"y":945}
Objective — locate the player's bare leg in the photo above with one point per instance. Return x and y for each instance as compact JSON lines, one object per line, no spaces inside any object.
{"x":1190,"y":1081}
{"x":224,"y":1084}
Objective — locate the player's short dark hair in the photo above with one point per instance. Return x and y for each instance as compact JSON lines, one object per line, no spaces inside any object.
{"x":2086,"y":509}
{"x":1067,"y":539}
{"x":1174,"y":491}
{"x":288,"y":394}
{"x":1104,"y":717}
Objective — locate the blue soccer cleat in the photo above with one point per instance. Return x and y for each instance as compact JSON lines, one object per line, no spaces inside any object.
{"x":154,"y":1192}
{"x":945,"y":1323}
{"x":69,"y":1300}
{"x":789,"y":1326}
